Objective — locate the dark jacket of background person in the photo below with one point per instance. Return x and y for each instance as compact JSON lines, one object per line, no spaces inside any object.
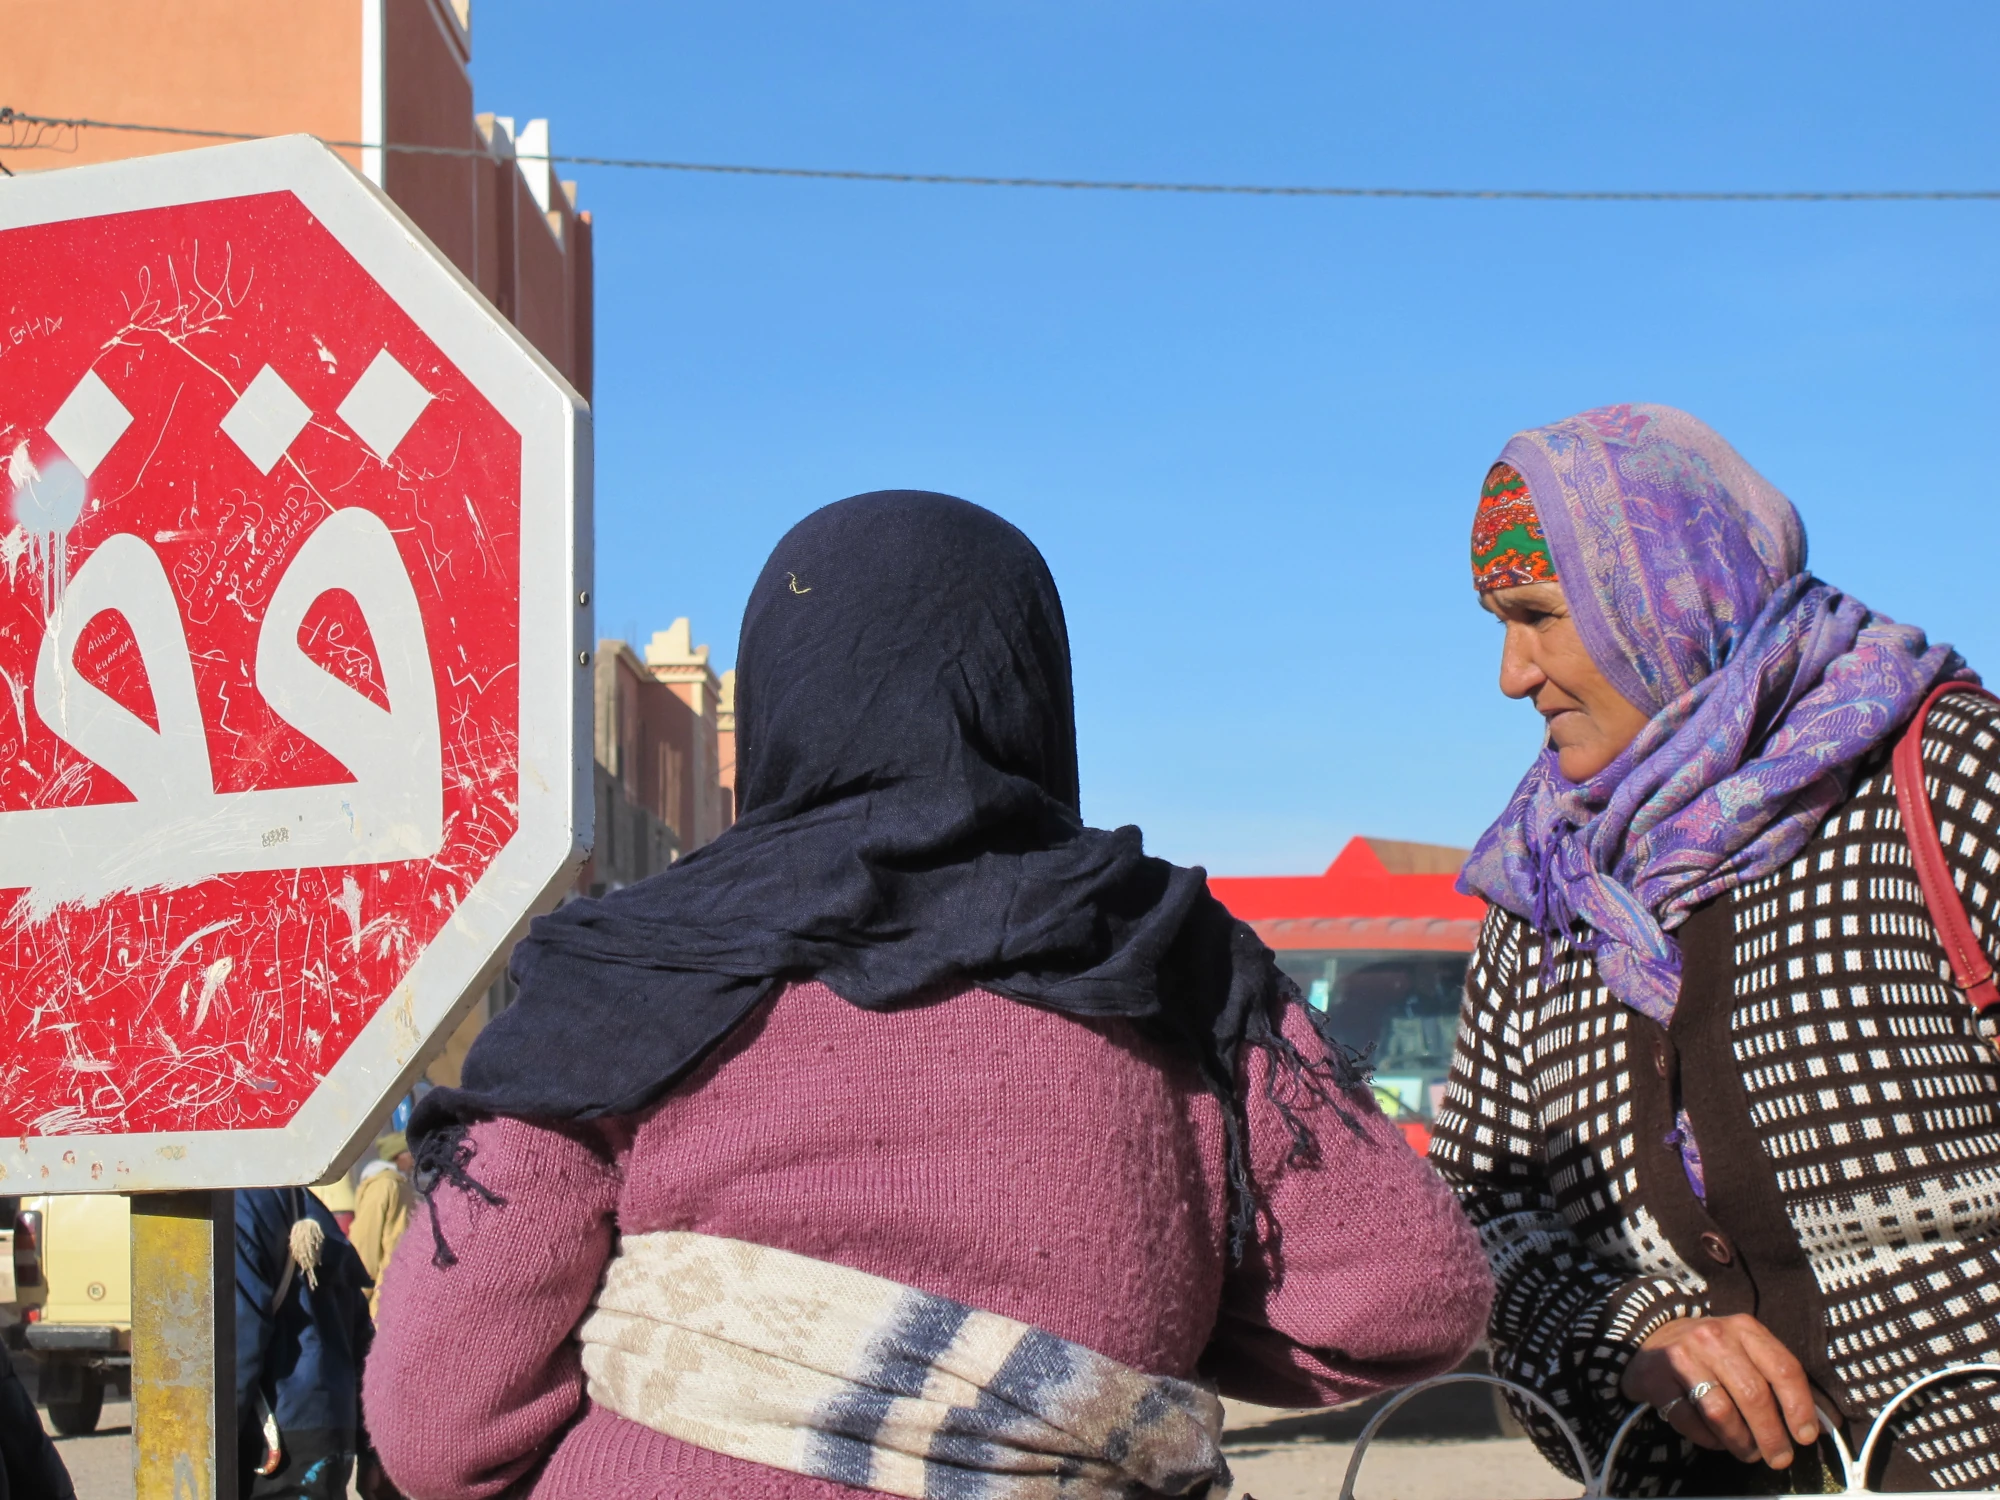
{"x":30,"y":1467}
{"x":303,"y":1351}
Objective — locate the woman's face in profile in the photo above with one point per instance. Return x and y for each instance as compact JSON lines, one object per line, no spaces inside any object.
{"x":1543,"y":660}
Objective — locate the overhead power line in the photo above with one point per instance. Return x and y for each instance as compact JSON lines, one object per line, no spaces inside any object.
{"x":39,"y":125}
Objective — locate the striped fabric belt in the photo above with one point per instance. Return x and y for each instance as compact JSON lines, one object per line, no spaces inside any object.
{"x":824,"y":1371}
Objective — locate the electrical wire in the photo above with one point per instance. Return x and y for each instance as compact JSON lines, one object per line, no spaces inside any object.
{"x":43,"y":123}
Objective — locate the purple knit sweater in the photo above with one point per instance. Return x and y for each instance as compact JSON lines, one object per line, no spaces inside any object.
{"x":1064,"y":1173}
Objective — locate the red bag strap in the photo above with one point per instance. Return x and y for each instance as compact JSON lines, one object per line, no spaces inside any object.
{"x":1971,"y":969}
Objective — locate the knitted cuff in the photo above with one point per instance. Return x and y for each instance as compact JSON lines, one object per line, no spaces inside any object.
{"x":1625,"y":1320}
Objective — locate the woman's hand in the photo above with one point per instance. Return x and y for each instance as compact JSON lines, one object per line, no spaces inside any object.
{"x":1757,"y":1402}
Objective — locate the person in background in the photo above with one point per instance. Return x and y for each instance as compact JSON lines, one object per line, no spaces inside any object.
{"x":30,"y":1467}
{"x":968,"y":1137}
{"x":382,"y":1204}
{"x":1730,"y":1133}
{"x":302,"y":1332}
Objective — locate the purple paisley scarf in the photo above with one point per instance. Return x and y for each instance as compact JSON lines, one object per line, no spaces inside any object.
{"x":1685,"y":572}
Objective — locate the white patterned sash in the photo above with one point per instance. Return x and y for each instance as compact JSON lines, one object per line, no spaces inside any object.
{"x":820,"y":1370}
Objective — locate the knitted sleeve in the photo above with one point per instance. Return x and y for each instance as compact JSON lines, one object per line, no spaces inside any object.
{"x":1564,"y":1324}
{"x":1365,"y":1275}
{"x":475,"y":1370}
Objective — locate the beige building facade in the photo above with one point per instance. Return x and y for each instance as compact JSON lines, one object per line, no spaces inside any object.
{"x":674,"y":659}
{"x":657,"y":796}
{"x":665,"y":776}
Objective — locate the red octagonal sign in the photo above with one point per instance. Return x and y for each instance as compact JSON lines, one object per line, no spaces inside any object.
{"x":293,"y":644}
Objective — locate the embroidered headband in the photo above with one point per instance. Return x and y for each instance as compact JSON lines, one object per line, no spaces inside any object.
{"x":1508,"y":547}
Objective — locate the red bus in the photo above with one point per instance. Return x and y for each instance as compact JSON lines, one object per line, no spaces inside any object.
{"x":1379,"y":944}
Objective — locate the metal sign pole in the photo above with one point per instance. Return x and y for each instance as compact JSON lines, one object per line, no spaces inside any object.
{"x":184,"y":1345}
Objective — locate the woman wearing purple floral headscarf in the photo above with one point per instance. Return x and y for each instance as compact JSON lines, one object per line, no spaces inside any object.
{"x":1729,"y":1134}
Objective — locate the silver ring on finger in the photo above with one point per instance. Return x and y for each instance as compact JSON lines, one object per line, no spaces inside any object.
{"x":1700,"y":1390}
{"x":1668,"y":1409}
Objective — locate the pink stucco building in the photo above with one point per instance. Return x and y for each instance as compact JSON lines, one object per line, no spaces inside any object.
{"x":381,"y":73}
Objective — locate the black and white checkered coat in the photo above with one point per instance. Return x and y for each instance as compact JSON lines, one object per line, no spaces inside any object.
{"x":1848,"y":1113}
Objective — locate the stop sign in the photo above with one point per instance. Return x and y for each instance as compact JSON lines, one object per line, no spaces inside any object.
{"x":294,"y":637}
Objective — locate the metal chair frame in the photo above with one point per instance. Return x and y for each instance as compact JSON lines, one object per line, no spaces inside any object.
{"x":1597,"y":1486}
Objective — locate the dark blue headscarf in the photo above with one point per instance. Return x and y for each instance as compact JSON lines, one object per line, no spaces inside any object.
{"x":909,"y":823}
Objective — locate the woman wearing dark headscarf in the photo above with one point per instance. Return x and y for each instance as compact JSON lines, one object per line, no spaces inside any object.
{"x":1726,"y":1126}
{"x":913,"y":1137}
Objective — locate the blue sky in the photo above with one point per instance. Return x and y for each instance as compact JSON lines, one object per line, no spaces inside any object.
{"x":1248,"y":433}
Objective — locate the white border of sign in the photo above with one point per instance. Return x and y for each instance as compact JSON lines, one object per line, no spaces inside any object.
{"x":556,"y":796}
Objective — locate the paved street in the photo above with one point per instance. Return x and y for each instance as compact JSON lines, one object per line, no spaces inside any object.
{"x":101,"y":1464}
{"x":1467,"y":1469}
{"x":1445,"y":1452}
{"x":1275,"y":1455}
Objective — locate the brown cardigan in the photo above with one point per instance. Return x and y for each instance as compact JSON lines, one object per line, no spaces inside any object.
{"x":1848,"y":1114}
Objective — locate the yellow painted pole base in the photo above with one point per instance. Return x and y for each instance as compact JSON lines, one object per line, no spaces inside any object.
{"x":184,"y":1346}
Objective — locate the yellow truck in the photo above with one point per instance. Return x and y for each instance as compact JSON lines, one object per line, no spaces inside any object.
{"x":66,"y":1294}
{"x":67,"y":1273}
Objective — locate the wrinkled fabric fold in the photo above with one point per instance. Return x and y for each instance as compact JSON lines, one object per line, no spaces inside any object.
{"x":822,"y":1370}
{"x":1685,"y":572}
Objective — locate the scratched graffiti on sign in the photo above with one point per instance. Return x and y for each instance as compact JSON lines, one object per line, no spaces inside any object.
{"x":258,"y":624}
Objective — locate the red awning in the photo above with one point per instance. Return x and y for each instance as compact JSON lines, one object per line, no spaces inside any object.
{"x":1362,"y":901}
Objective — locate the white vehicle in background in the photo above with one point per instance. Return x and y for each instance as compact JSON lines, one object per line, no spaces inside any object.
{"x":66,"y":1283}
{"x":66,"y":1296}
